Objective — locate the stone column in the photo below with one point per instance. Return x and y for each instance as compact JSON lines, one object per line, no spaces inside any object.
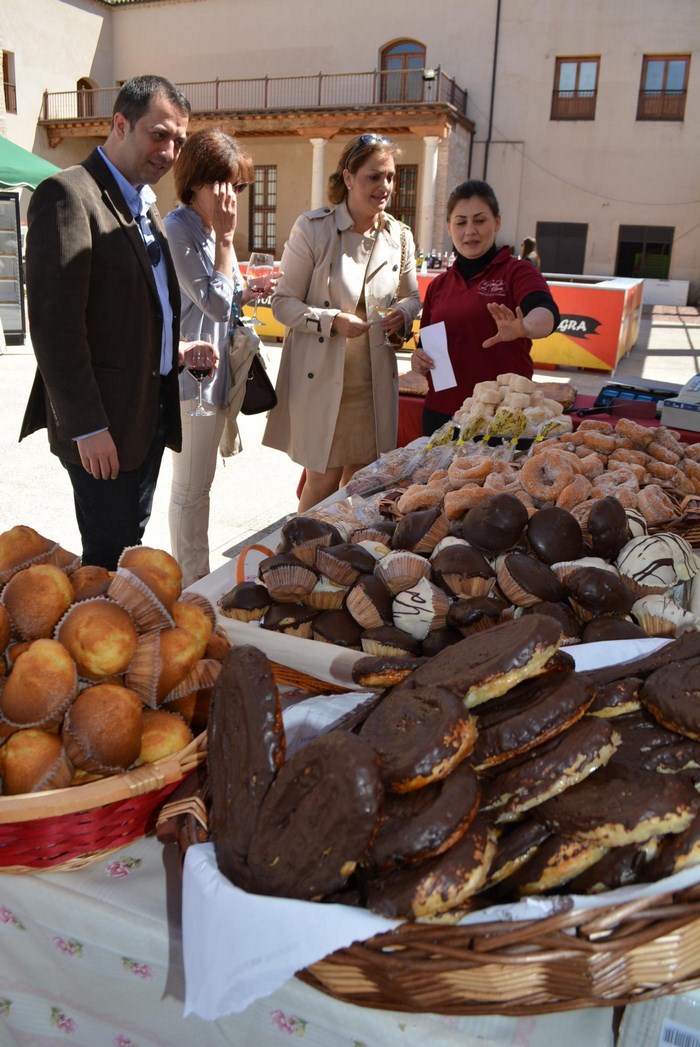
{"x":427,"y":202}
{"x":317,"y":193}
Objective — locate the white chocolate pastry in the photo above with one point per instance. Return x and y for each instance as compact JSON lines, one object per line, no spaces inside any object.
{"x":419,"y":609}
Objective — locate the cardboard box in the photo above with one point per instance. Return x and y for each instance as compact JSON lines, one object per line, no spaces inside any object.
{"x":680,"y":414}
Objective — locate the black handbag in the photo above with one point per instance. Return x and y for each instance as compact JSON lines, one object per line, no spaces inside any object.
{"x":260,"y":395}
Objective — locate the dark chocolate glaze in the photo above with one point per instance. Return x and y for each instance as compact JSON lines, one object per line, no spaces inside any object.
{"x":529,"y":714}
{"x":468,"y":610}
{"x":436,"y":884}
{"x":282,"y":615}
{"x":420,"y":824}
{"x":532,"y":576}
{"x":557,"y":860}
{"x":562,"y":613}
{"x":317,"y":818}
{"x":515,"y":847}
{"x":420,"y":531}
{"x":674,"y":849}
{"x":554,"y":535}
{"x":672,"y":696}
{"x":487,"y":655}
{"x":617,"y":795}
{"x":273,"y":572}
{"x":438,"y":640}
{"x":384,"y":670}
{"x":418,"y":734}
{"x":641,"y":735}
{"x":392,"y":637}
{"x":249,"y":596}
{"x":344,"y":562}
{"x":302,"y":529}
{"x":611,"y":628}
{"x":337,"y":627}
{"x":381,"y":531}
{"x":246,"y":747}
{"x":369,"y":602}
{"x":455,"y":563}
{"x":608,"y":528}
{"x":496,"y":524}
{"x":620,"y":866}
{"x":599,"y":592}
{"x":681,"y":757}
{"x":620,"y":694}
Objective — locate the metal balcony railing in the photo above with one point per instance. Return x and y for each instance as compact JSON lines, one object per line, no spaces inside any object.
{"x":661,"y":105}
{"x":321,"y":91}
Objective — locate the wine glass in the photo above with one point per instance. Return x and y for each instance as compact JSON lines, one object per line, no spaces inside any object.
{"x":378,"y":307}
{"x":258,"y":275}
{"x":199,"y":367}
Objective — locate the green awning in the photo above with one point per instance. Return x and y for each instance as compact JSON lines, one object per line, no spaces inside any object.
{"x":20,"y":168}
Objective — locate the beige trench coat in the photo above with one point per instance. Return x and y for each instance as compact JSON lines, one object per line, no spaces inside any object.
{"x":322,"y":277}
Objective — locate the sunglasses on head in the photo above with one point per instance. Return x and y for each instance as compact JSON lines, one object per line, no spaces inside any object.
{"x":367,"y":139}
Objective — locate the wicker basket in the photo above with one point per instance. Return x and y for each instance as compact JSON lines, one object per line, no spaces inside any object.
{"x":608,"y":957}
{"x":66,"y":829}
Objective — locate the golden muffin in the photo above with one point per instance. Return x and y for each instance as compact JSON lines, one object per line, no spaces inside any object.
{"x":157,"y":569}
{"x":5,"y":628}
{"x":193,"y":708}
{"x":100,"y":636}
{"x":33,"y":760}
{"x":90,"y":581}
{"x":196,"y":621}
{"x":102,"y":729}
{"x":19,"y":547}
{"x":162,"y":660}
{"x":218,"y":647}
{"x":41,"y":686}
{"x":35,"y":599}
{"x":163,"y":733}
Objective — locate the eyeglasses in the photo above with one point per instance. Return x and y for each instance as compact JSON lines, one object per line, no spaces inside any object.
{"x":367,"y":139}
{"x":240,"y":188}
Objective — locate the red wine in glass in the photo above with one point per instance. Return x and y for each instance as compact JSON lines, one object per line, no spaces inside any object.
{"x":199,"y":367}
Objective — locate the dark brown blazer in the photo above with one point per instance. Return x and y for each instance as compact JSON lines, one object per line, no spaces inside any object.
{"x":95,"y":318}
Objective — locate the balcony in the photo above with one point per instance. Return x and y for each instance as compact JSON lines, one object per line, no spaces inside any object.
{"x":573,"y":105}
{"x":403,"y":101}
{"x":661,"y":105}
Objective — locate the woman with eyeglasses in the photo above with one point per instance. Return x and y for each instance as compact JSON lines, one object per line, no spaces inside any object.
{"x":348,"y":286}
{"x":210,"y":173}
{"x":491,"y":303}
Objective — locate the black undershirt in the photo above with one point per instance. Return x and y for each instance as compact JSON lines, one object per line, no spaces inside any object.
{"x":468,"y":268}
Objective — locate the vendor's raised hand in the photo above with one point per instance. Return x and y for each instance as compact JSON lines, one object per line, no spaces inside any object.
{"x":421,"y":363}
{"x":510,"y":324}
{"x":348,"y":325}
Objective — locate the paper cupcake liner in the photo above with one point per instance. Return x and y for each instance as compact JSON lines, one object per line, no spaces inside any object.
{"x":302,"y":629}
{"x":239,"y":614}
{"x":326,"y":599}
{"x":644,"y":590}
{"x":290,"y":582}
{"x":145,"y":668}
{"x":377,"y":649}
{"x":306,"y":552}
{"x":363,"y":610}
{"x":146,"y":610}
{"x":513,"y":591}
{"x":202,"y":602}
{"x":439,"y":530}
{"x":655,"y":625}
{"x":401,"y":570}
{"x":464,"y":585}
{"x":203,"y":676}
{"x":337,"y":570}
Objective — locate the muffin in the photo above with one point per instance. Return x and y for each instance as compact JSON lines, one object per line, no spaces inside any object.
{"x":471,"y":614}
{"x":525,"y":580}
{"x":369,"y":602}
{"x":289,"y":618}
{"x":20,"y":547}
{"x":344,"y":563}
{"x":594,"y":594}
{"x":390,"y":640}
{"x":462,"y":571}
{"x":102,"y":729}
{"x":90,"y":581}
{"x":326,"y":595}
{"x":41,"y":686}
{"x":302,"y":535}
{"x":35,"y":599}
{"x":420,"y":531}
{"x":33,"y":760}
{"x":163,"y":733}
{"x":287,"y":578}
{"x":246,"y":602}
{"x":161,"y":661}
{"x":401,"y":569}
{"x":5,"y":629}
{"x":100,"y":636}
{"x":196,"y":620}
{"x":146,"y":584}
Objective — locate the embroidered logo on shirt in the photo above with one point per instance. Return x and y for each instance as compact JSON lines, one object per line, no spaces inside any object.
{"x":493,"y":288}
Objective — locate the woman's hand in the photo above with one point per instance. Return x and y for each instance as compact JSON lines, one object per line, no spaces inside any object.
{"x":393,"y":322}
{"x":348,"y":325}
{"x":224,"y":211}
{"x":270,"y":285}
{"x":421,"y":363}
{"x":510,"y":325}
{"x":185,"y":354}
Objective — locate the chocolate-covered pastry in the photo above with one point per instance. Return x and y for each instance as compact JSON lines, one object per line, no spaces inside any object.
{"x":247,"y":601}
{"x":525,"y":581}
{"x":489,"y":663}
{"x":438,"y":640}
{"x":380,"y":531}
{"x":676,"y":853}
{"x":420,"y":531}
{"x":617,"y":868}
{"x":595,"y":593}
{"x":420,"y":735}
{"x":672,"y":696}
{"x":438,"y":885}
{"x":422,"y":824}
{"x":287,"y":578}
{"x":554,"y":535}
{"x":529,"y":715}
{"x":619,"y":805}
{"x":611,"y":628}
{"x":336,"y":627}
{"x":607,"y":527}
{"x":303,"y":534}
{"x":387,"y":639}
{"x":559,"y":859}
{"x":578,"y":751}
{"x":381,"y":671}
{"x":568,"y":622}
{"x":462,"y":571}
{"x":496,"y":524}
{"x":641,"y":735}
{"x":369,"y":602}
{"x":343,"y":563}
{"x":617,"y":698}
{"x":420,"y":609}
{"x":246,"y":747}
{"x":290,"y":618}
{"x":296,"y":853}
{"x":515,"y":847}
{"x":681,"y":757}
{"x":471,"y":614}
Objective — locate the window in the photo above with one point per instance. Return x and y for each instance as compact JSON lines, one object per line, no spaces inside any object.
{"x":8,"y":81}
{"x":644,"y":251}
{"x":402,"y":72}
{"x":562,"y":246}
{"x":575,"y":89}
{"x":403,"y":199}
{"x":263,"y":210}
{"x":663,"y":88}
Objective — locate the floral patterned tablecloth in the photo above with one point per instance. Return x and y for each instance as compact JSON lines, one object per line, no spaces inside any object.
{"x":93,"y":958}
